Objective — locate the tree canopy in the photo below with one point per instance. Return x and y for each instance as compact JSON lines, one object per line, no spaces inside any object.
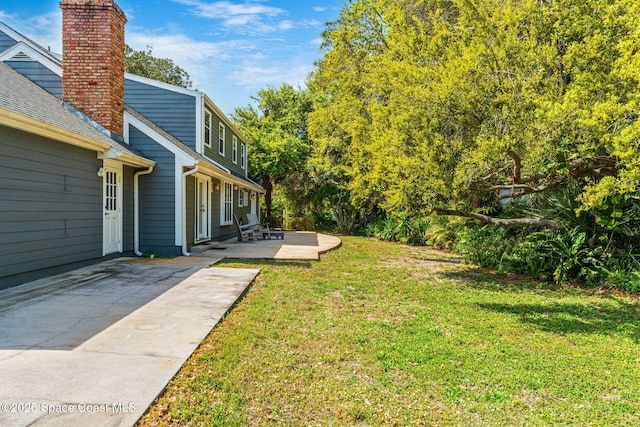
{"x":279,"y":145}
{"x":452,"y":105}
{"x":143,"y":63}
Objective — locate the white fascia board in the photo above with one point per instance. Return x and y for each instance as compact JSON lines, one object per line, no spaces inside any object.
{"x":20,"y":38}
{"x":32,"y":53}
{"x":162,"y":85}
{"x":227,"y":170}
{"x":181,"y":157}
{"x":182,"y":160}
{"x":179,"y":190}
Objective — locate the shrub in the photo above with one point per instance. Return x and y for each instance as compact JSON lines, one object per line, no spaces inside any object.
{"x":406,"y":230}
{"x":485,"y":246}
{"x":443,"y":231}
{"x":628,"y":281}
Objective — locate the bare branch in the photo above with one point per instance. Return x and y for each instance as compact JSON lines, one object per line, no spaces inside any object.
{"x":502,"y":222}
{"x":499,"y":171}
{"x":577,"y":168}
{"x":517,"y":165}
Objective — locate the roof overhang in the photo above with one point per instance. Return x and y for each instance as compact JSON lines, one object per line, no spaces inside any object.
{"x":185,"y":156}
{"x":215,"y":172}
{"x":47,"y":130}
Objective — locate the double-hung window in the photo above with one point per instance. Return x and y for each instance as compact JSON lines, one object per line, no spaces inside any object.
{"x":208,"y":118}
{"x":227,"y":204}
{"x":221,"y":138}
{"x":243,"y":199}
{"x":243,"y":155}
{"x":234,"y":149}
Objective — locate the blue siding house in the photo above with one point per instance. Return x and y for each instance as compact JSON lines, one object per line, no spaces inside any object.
{"x":112,"y":165}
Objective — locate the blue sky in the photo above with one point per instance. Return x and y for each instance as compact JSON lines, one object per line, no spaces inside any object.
{"x":231,"y":49}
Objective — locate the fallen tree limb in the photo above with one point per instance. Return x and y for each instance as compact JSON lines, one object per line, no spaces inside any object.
{"x":502,"y":222}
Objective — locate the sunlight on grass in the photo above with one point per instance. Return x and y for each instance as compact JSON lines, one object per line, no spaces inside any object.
{"x":383,"y":334}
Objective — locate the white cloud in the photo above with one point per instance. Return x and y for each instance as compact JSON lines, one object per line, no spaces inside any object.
{"x":247,"y":17}
{"x":45,"y":29}
{"x":179,"y":47}
{"x":319,"y":9}
{"x":5,"y":16}
{"x":201,"y":59}
{"x":286,"y":25}
{"x":254,"y":76}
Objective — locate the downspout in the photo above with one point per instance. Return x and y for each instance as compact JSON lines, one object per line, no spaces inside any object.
{"x":136,"y":210}
{"x":184,"y":206}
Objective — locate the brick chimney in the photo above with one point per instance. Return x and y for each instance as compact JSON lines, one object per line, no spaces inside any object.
{"x":93,"y":60}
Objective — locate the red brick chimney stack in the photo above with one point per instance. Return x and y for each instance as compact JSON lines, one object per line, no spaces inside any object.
{"x":93,"y":60}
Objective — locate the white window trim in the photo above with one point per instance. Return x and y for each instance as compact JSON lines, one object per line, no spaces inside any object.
{"x":221,"y":138}
{"x":234,"y":150}
{"x":243,"y":198}
{"x":243,"y":155}
{"x":206,"y":180}
{"x":224,"y":202}
{"x":204,"y":125}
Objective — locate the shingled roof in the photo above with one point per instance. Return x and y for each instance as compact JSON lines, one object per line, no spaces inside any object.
{"x":20,"y":95}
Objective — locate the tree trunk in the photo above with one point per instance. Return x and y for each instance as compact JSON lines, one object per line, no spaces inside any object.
{"x":268,"y":187}
{"x":344,"y":218}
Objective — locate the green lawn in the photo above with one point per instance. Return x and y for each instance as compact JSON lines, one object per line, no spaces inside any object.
{"x":382,"y":334}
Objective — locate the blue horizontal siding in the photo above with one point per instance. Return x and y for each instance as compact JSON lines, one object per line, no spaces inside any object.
{"x":173,"y":112}
{"x":157,"y":196}
{"x":5,"y":41}
{"x":127,"y":209}
{"x":39,"y":74}
{"x":50,"y":207}
{"x":213,"y":152}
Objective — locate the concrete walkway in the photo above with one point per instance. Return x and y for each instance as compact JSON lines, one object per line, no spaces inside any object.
{"x":96,"y":346}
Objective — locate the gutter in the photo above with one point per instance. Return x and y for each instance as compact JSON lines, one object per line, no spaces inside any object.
{"x":136,"y":210}
{"x":184,"y":206}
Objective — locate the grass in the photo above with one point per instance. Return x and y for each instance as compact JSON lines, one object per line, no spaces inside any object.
{"x":379,"y":334}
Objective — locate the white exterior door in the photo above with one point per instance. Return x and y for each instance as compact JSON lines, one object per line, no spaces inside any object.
{"x":253,"y":196}
{"x":203,"y":209}
{"x":112,"y":203}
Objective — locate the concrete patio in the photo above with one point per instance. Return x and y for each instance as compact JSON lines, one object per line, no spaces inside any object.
{"x":300,"y":245}
{"x":97,"y":345}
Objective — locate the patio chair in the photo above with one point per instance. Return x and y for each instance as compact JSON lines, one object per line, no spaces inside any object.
{"x":252,"y":221}
{"x":245,"y":232}
{"x":264,"y":229}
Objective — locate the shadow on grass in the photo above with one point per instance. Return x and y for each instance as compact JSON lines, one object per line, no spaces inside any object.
{"x":616,"y":318}
{"x":614,"y":315}
{"x":478,"y":278}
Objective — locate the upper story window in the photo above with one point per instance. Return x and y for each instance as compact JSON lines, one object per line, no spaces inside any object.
{"x":243,"y":155}
{"x":234,"y":150}
{"x":221,"y":138}
{"x":208,"y":118}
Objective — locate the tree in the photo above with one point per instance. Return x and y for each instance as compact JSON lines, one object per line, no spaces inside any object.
{"x":143,"y":63}
{"x":449,"y":106}
{"x":279,"y":146}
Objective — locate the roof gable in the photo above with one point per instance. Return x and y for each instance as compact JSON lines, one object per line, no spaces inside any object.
{"x":22,"y":51}
{"x":27,"y":41}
